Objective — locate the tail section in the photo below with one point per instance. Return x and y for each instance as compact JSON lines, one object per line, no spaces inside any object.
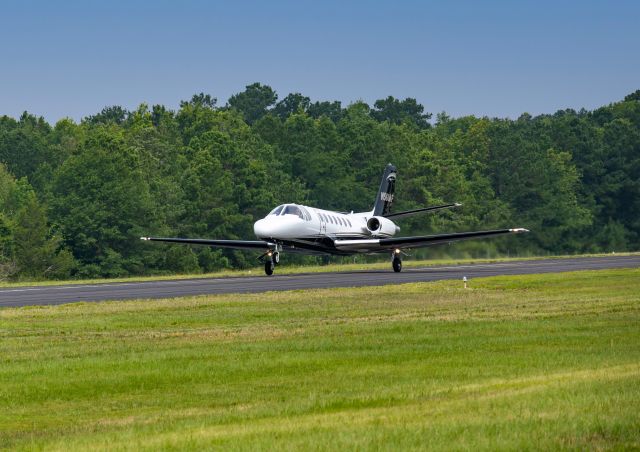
{"x":385,"y":193}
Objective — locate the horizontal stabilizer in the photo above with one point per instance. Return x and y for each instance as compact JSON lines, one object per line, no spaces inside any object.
{"x":408,"y":213}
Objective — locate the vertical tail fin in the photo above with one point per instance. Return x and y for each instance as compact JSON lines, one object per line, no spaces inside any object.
{"x":385,"y":193}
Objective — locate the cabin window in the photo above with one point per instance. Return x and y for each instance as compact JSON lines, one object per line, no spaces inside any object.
{"x":349,"y":223}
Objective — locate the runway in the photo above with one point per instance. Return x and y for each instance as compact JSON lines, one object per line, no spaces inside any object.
{"x":52,"y":295}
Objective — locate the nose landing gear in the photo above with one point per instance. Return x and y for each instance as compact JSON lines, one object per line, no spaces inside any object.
{"x":396,"y":262}
{"x":272,"y":258}
{"x":269,"y":265}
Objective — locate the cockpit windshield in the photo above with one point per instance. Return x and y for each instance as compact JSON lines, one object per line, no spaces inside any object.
{"x":277,"y":210}
{"x":291,"y":209}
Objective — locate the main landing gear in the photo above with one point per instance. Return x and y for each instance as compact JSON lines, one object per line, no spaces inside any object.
{"x":397,"y":261}
{"x":272,"y":258}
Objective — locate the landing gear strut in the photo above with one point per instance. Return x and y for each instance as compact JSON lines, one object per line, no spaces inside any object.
{"x":397,"y":261}
{"x":271,"y":259}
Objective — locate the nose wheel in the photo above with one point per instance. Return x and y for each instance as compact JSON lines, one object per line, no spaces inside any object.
{"x":396,"y":263}
{"x":269,"y":265}
{"x":270,"y":262}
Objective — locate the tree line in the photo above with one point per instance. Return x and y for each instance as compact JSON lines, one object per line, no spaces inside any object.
{"x":76,"y":197}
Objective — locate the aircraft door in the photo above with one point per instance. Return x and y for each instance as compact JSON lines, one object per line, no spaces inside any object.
{"x":323,"y":224}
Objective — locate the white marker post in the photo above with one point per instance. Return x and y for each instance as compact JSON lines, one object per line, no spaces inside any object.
{"x":464,"y":280}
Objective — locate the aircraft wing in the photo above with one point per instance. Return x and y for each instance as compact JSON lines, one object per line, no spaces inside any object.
{"x":377,"y":245}
{"x":408,"y":213}
{"x":238,"y":244}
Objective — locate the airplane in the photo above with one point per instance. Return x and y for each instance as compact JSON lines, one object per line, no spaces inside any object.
{"x":308,"y":230}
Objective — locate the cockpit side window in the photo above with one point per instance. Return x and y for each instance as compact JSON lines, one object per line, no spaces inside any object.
{"x":305,"y":214}
{"x":293,"y":210}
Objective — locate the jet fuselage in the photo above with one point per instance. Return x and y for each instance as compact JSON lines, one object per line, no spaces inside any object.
{"x":317,"y":229}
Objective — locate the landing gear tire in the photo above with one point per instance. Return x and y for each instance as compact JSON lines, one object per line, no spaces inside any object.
{"x":276,"y":257}
{"x":397,"y":265}
{"x":269,"y":265}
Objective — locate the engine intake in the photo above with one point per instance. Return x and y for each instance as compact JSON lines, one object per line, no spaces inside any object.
{"x":373,"y":224}
{"x":381,"y":227}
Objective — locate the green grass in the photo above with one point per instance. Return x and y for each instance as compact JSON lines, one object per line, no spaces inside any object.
{"x":285,"y":269}
{"x":527,"y":362}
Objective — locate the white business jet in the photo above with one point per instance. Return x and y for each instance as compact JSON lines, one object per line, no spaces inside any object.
{"x":303,"y":229}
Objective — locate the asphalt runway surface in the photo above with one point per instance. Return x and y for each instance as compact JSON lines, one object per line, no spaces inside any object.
{"x":69,"y":293}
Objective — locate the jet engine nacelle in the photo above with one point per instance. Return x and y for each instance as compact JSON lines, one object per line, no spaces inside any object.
{"x":381,"y":226}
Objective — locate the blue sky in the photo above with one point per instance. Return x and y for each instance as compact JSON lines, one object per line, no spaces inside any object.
{"x":494,"y":58}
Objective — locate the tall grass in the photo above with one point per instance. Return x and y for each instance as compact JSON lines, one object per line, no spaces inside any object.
{"x":539,"y":361}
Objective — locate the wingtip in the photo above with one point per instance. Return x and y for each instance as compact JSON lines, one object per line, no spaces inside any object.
{"x":144,"y":238}
{"x":518,"y":230}
{"x":457,"y":204}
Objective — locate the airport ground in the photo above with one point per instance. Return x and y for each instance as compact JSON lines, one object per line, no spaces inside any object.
{"x":285,"y":269}
{"x":371,"y":276}
{"x":542,"y":361}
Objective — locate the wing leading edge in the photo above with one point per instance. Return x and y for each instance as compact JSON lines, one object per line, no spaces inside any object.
{"x":374,"y":245}
{"x":238,"y":244}
{"x":348,"y":246}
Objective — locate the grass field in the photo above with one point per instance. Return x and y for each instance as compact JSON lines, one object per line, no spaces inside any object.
{"x":526,"y":362}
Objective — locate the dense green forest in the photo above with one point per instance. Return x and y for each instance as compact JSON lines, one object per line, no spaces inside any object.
{"x":75,"y":197}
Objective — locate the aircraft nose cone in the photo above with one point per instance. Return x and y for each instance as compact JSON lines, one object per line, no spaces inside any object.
{"x":262,"y":229}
